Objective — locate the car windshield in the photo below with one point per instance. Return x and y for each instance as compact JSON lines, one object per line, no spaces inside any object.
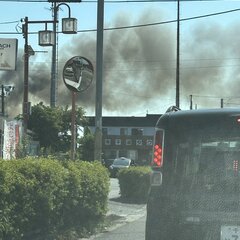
{"x":122,"y":162}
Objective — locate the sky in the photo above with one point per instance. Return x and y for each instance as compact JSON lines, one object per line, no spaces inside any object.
{"x":139,"y":63}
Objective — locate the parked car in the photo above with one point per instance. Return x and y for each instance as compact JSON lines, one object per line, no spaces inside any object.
{"x":120,"y":163}
{"x":107,"y":162}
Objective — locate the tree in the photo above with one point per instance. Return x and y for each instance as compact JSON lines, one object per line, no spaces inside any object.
{"x":52,"y":126}
{"x":87,"y":147}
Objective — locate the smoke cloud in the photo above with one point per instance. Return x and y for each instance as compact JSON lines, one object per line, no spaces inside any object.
{"x":140,"y":67}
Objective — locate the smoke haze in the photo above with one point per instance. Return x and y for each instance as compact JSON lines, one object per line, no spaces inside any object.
{"x":140,"y":67}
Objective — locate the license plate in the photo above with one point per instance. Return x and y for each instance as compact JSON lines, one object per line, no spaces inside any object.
{"x":230,"y":232}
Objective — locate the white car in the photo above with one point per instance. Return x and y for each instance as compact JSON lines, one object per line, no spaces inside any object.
{"x":120,"y":163}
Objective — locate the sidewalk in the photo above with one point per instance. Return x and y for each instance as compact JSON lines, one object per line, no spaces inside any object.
{"x":121,"y":211}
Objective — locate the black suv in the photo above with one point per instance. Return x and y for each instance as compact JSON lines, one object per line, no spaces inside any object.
{"x":195,"y":187}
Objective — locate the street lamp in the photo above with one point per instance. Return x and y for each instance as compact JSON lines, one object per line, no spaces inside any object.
{"x":69,"y":26}
{"x":46,"y":38}
{"x":27,"y":53}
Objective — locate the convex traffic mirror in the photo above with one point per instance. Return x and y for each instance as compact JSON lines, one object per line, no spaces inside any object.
{"x":78,"y":74}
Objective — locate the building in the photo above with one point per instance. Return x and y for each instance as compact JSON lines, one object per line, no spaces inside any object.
{"x":130,"y":137}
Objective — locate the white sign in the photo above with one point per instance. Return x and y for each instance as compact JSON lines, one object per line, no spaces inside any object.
{"x":230,"y":232}
{"x":8,"y":53}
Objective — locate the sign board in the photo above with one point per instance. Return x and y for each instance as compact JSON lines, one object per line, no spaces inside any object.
{"x":78,"y":74}
{"x":8,"y":53}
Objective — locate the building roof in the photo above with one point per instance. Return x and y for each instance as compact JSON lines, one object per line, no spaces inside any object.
{"x":149,"y":120}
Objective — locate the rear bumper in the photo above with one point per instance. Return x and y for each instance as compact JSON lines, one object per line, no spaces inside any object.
{"x":208,"y":217}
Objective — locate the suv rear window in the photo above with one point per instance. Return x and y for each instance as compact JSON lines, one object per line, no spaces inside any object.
{"x":205,"y":159}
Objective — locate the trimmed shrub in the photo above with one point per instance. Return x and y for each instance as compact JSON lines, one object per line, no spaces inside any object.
{"x":134,"y":183}
{"x":45,"y":198}
{"x":32,"y":195}
{"x":88,"y":185}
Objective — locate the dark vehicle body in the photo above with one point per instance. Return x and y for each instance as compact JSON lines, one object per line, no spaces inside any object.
{"x":195,"y":191}
{"x":108,"y":162}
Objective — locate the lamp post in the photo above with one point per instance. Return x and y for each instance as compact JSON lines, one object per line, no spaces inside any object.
{"x":46,"y":38}
{"x":69,"y":26}
{"x":178,"y":60}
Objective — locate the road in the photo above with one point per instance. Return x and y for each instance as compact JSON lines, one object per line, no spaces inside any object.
{"x":134,"y":230}
{"x":128,"y":220}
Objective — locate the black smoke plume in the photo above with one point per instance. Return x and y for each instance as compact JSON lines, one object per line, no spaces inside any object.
{"x":139,"y":67}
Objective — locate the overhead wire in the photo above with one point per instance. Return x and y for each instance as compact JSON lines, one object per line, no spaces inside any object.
{"x":108,"y":1}
{"x":9,"y":22}
{"x":146,"y":24}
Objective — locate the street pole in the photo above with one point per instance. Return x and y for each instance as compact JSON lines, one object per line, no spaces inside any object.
{"x":177,"y":65}
{"x":54,"y":58}
{"x":99,"y":76}
{"x":191,"y":102}
{"x":221,"y":102}
{"x":3,"y":109}
{"x":26,"y":69}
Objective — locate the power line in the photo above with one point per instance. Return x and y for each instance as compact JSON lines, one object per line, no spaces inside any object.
{"x":173,"y":21}
{"x":9,"y":22}
{"x":145,"y":25}
{"x":208,"y":96}
{"x":111,"y":1}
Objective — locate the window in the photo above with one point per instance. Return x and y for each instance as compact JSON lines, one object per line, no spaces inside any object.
{"x":118,"y":141}
{"x":123,"y":131}
{"x":128,"y":142}
{"x":107,"y":141}
{"x":149,"y":142}
{"x":139,"y":142}
{"x":206,"y":159}
{"x":137,"y":132}
{"x":105,"y":131}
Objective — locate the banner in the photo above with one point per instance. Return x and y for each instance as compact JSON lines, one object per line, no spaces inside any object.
{"x":11,"y":139}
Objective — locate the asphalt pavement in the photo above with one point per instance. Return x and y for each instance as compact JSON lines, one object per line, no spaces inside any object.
{"x":117,"y":207}
{"x":121,"y":213}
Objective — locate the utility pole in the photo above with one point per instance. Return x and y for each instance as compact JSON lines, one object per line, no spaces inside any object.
{"x":178,"y":61}
{"x":26,"y":105}
{"x":26,"y":69}
{"x":221,"y":102}
{"x":191,"y":102}
{"x":99,"y":75}
{"x":53,"y":87}
{"x":3,"y":110}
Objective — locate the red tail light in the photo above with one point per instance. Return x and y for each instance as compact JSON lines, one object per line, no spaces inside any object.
{"x":158,"y":149}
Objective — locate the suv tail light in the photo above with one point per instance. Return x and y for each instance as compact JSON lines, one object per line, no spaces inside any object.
{"x":158,"y":149}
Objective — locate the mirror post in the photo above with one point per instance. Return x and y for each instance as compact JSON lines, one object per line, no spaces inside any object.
{"x":77,"y":76}
{"x":73,"y":126}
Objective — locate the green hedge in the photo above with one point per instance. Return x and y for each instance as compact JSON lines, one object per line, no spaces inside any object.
{"x":134,"y":183}
{"x":42,"y":198}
